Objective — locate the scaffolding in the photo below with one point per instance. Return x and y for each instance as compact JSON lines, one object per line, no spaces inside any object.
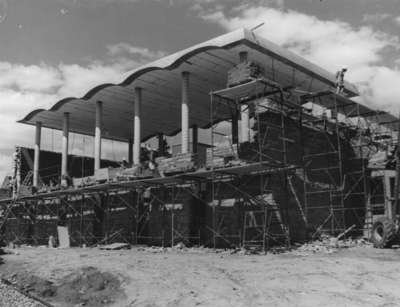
{"x":262,"y":220}
{"x":347,"y":190}
{"x":249,"y":201}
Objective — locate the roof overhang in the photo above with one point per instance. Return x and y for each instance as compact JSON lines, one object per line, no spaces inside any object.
{"x":207,"y":63}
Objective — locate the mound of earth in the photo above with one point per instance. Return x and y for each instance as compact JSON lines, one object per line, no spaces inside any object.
{"x":89,"y":287}
{"x":86,"y":286}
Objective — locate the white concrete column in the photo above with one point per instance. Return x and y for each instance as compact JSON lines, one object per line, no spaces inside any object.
{"x":65,"y":140}
{"x":97,"y":135}
{"x":36,"y":165}
{"x":185,"y":113}
{"x":137,"y":126}
{"x":245,"y":123}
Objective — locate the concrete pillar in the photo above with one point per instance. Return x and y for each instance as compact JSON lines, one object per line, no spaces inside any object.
{"x":97,"y":135}
{"x":36,"y":165}
{"x":195,"y":138}
{"x":130,"y":151}
{"x":137,"y":126}
{"x":185,"y":113}
{"x":245,"y":123}
{"x":65,"y":141}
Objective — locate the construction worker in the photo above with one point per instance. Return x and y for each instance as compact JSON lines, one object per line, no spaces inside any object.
{"x":124,"y":164}
{"x":340,"y":80}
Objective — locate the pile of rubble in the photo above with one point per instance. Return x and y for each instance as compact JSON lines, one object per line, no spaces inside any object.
{"x":9,"y":297}
{"x":324,"y":244}
{"x":328,"y":245}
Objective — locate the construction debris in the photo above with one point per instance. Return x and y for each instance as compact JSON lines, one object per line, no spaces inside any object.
{"x":10,"y":297}
{"x":327,"y":244}
{"x":115,"y":246}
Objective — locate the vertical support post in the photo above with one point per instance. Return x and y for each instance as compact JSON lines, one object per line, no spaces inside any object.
{"x":185,"y":112}
{"x":137,"y":126}
{"x":130,"y":151}
{"x":245,"y":123}
{"x":36,"y":165}
{"x":161,"y":145}
{"x":81,"y":221}
{"x":235,"y":126}
{"x":395,"y":210}
{"x":137,"y":216}
{"x":341,"y":182}
{"x":65,"y":141}
{"x":172,"y":218}
{"x":303,"y":164}
{"x":195,"y":138}
{"x":212,"y":168}
{"x":97,"y":136}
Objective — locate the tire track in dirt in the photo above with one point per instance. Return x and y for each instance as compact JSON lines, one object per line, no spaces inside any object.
{"x":240,"y":288}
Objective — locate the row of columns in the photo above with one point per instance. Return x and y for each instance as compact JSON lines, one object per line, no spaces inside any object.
{"x":134,"y":145}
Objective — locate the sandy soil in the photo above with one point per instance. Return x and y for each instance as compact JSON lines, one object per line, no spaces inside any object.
{"x":360,"y":276}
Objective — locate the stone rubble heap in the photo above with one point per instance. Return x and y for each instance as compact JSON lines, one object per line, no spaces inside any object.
{"x":9,"y":297}
{"x":328,"y":245}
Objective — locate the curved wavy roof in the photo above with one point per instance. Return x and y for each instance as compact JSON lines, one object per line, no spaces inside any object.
{"x":208,"y":64}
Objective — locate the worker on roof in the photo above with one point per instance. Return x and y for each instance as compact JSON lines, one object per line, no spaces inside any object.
{"x":340,"y":80}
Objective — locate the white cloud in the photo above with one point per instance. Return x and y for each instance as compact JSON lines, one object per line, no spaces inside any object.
{"x":5,"y":166}
{"x":375,"y":18}
{"x":124,"y":49}
{"x":330,"y":44}
{"x":38,"y":78}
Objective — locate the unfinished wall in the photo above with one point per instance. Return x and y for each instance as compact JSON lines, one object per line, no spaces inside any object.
{"x":165,"y":216}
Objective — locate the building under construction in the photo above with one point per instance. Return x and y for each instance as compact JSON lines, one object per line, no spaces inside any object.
{"x":287,"y":157}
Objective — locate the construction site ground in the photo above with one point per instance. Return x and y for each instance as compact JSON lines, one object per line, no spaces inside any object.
{"x":314,"y":275}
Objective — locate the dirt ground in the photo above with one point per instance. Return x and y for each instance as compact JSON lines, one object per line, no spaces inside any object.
{"x":358,"y":276}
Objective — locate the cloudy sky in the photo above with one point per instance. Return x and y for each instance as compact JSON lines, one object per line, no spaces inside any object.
{"x":51,"y":49}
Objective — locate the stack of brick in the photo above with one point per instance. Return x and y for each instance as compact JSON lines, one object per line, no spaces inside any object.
{"x":180,"y":163}
{"x":243,"y":73}
{"x":220,"y":156}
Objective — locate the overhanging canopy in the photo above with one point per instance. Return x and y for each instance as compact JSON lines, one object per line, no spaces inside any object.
{"x":207,"y":63}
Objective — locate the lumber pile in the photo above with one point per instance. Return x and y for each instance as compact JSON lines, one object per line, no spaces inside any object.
{"x":177,"y":164}
{"x":220,"y":156}
{"x":84,"y":181}
{"x":243,"y":73}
